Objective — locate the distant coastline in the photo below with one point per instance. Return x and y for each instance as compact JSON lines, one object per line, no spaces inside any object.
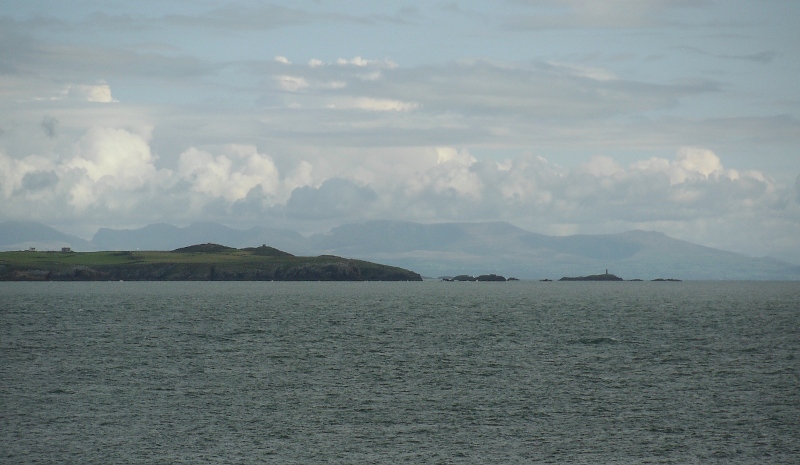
{"x":483,"y":277}
{"x":608,"y":277}
{"x":215,"y":262}
{"x":593,"y":277}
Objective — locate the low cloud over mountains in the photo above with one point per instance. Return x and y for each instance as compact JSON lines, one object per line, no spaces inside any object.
{"x":112,"y":177}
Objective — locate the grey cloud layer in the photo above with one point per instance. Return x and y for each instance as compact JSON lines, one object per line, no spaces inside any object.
{"x":227,"y":17}
{"x":569,"y":14}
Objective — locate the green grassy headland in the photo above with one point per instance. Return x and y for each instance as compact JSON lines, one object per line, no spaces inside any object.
{"x":200,"y":262}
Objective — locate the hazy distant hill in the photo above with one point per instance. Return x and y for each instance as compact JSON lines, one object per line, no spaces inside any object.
{"x":480,"y":248}
{"x":22,"y":235}
{"x":448,"y":249}
{"x":167,"y":237}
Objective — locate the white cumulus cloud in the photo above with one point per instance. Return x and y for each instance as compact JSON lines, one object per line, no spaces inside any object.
{"x":451,"y":176}
{"x":110,"y":161}
{"x":99,"y":93}
{"x":231,"y":175}
{"x":691,"y":163}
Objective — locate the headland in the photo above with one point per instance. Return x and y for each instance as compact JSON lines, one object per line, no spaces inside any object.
{"x":201,"y":262}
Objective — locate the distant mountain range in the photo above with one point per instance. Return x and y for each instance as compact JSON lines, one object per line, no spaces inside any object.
{"x":167,"y":237}
{"x":22,"y":235}
{"x":444,"y":249}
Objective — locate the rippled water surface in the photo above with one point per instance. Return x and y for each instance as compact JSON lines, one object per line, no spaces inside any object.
{"x":517,"y":372}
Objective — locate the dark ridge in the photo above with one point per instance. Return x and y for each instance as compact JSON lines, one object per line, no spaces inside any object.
{"x":205,"y":248}
{"x":267,"y":251}
{"x":593,"y":277}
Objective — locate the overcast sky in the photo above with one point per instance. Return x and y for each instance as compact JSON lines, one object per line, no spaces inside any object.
{"x":559,"y":116}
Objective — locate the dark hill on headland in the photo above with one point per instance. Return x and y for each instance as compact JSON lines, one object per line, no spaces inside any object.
{"x":593,"y":277}
{"x":202,"y":262}
{"x":206,"y":248}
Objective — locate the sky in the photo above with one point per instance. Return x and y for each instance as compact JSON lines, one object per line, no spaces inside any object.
{"x":558,"y":116}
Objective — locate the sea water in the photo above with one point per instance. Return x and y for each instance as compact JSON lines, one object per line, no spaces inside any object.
{"x":430,"y":372}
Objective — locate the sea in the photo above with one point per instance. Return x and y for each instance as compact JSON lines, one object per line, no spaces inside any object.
{"x":404,"y":372}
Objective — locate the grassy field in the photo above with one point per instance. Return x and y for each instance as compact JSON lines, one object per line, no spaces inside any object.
{"x":47,"y":259}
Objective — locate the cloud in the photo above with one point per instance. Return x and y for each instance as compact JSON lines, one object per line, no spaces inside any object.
{"x":111,"y":175}
{"x":797,"y":189}
{"x":64,"y":61}
{"x":110,"y":160}
{"x":539,"y":90}
{"x":598,"y":74}
{"x":335,"y":198}
{"x":13,"y":172}
{"x":39,"y":180}
{"x":229,"y":176}
{"x":108,"y":169}
{"x":467,"y":102}
{"x":362,"y":63}
{"x":291,"y":83}
{"x":117,"y":154}
{"x":283,"y":60}
{"x":210,"y":17}
{"x":49,"y":124}
{"x":491,"y":103}
{"x":99,"y":93}
{"x":691,"y":163}
{"x":474,"y":102}
{"x":357,"y":61}
{"x":600,"y":165}
{"x":239,"y":17}
{"x":611,"y":14}
{"x":763,"y":57}
{"x":531,"y":190}
{"x":758,"y":57}
{"x":449,"y":155}
{"x":76,"y":93}
{"x":696,"y":160}
{"x":693,"y":184}
{"x":450,"y":189}
{"x":265,"y":17}
{"x":373,"y":104}
{"x":452,"y":174}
